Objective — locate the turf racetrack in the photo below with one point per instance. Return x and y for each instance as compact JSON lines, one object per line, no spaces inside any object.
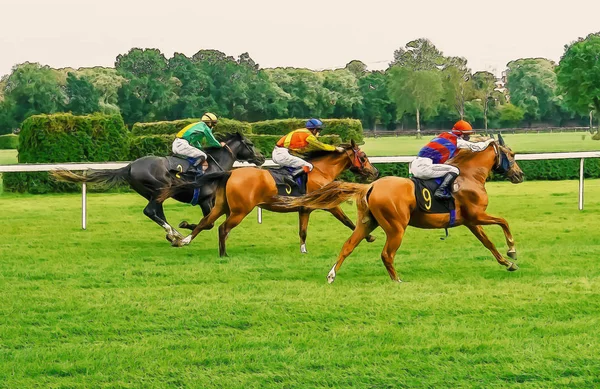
{"x":116,"y":306}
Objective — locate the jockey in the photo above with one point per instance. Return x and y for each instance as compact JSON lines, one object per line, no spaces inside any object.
{"x":297,"y":143}
{"x":188,"y":140}
{"x":430,"y":161}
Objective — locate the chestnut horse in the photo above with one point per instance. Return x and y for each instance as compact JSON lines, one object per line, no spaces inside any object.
{"x":240,"y":190}
{"x":390,"y":202}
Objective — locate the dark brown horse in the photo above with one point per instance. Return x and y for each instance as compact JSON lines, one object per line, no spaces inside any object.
{"x":243,"y":189}
{"x":390,"y":203}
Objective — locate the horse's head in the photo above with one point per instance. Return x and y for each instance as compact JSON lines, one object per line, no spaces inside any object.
{"x":245,"y":149}
{"x":506,"y":163}
{"x":360,"y":162}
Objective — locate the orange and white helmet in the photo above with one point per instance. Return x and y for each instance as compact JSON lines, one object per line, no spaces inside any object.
{"x":461,"y":128}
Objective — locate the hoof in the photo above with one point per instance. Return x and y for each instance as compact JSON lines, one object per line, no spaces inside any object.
{"x":303,"y":248}
{"x":184,"y":224}
{"x":331,"y":276}
{"x":170,"y":238}
{"x":512,"y":267}
{"x":370,"y":238}
{"x":512,"y":255}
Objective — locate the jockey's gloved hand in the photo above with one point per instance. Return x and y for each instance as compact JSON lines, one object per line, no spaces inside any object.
{"x":199,"y":161}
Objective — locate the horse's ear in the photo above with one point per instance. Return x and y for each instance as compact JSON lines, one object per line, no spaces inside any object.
{"x":501,"y":140}
{"x":352,"y":143}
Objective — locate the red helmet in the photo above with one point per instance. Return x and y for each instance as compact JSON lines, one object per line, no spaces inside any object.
{"x":462,"y":127}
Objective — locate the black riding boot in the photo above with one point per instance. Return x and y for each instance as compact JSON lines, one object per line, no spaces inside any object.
{"x":440,"y":192}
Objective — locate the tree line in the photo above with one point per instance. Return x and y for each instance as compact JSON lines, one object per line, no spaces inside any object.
{"x":420,"y":87}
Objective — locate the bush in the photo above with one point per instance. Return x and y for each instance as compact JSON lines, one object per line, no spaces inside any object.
{"x":596,"y":136}
{"x":9,"y":141}
{"x":266,"y":143}
{"x":346,"y":128}
{"x":66,"y":138}
{"x":157,"y":145}
{"x":225,"y":126}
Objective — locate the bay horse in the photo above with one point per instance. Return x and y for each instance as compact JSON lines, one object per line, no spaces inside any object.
{"x":243,"y":189}
{"x":149,"y":175}
{"x":390,"y":203}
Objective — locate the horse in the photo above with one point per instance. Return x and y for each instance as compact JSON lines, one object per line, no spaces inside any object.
{"x":245,"y":188}
{"x":390,"y":203}
{"x":149,"y":175}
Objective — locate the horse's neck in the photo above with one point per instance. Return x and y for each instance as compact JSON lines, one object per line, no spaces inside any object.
{"x":223,"y":158}
{"x":332,"y":166}
{"x":480,"y":164}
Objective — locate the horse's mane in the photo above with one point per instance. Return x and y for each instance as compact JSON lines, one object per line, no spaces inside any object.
{"x":464,"y":155}
{"x":222,"y":137}
{"x":312,"y":155}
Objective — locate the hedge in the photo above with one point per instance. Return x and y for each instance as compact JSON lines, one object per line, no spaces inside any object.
{"x":346,"y":128}
{"x":266,"y":143}
{"x":225,"y":126}
{"x":66,"y":138}
{"x":158,"y":145}
{"x":9,"y":141}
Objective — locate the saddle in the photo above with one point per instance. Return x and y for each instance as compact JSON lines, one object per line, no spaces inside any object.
{"x":287,"y":184}
{"x":424,"y":190}
{"x":184,"y":166}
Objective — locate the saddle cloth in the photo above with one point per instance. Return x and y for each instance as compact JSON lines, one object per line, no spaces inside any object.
{"x":287,"y":185}
{"x":424,"y":190}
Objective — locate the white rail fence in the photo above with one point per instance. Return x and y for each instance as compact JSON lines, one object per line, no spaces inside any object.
{"x":399,"y":159}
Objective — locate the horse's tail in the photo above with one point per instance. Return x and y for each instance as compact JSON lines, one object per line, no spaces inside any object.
{"x":110,"y":177}
{"x":329,"y":196}
{"x":209,"y":178}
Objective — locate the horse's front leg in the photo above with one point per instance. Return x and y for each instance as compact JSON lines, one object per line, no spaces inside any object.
{"x":486,"y":219}
{"x":483,"y":238}
{"x":341,"y":216}
{"x":206,"y":207}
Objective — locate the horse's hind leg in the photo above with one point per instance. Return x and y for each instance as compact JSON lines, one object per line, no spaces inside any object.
{"x":231,"y":222}
{"x":154,"y":210}
{"x":341,"y":216}
{"x":206,"y":207}
{"x":361,"y":231}
{"x":394,"y":239}
{"x":483,"y":238}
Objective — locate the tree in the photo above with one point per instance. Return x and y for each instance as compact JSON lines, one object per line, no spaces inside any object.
{"x":345,"y":95}
{"x":419,"y":54}
{"x":578,"y":74}
{"x":307,"y":95}
{"x":358,"y":68}
{"x":417,"y":92}
{"x":457,"y":86}
{"x":510,"y":114}
{"x":149,"y":91}
{"x":532,"y":87}
{"x":107,"y":82}
{"x":484,"y":84}
{"x":377,"y":107}
{"x":33,"y":89}
{"x":82,"y":96}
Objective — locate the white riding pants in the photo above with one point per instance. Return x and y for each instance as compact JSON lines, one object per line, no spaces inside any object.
{"x":282,"y":156}
{"x":182,"y":147}
{"x":425,"y":168}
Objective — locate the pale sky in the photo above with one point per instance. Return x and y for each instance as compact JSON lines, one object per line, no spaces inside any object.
{"x":316,"y":34}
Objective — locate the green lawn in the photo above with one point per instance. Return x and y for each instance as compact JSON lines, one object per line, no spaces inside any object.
{"x":116,"y":306}
{"x":8,"y":157}
{"x":521,"y":143}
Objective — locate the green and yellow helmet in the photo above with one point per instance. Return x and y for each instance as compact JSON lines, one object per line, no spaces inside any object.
{"x":210,"y":119}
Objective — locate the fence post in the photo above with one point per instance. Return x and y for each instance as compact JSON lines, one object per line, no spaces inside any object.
{"x":581,"y":184}
{"x":83,"y":206}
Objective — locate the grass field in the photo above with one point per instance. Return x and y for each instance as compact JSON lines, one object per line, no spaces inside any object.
{"x":8,"y":157}
{"x":520,"y":143}
{"x":116,"y":306}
